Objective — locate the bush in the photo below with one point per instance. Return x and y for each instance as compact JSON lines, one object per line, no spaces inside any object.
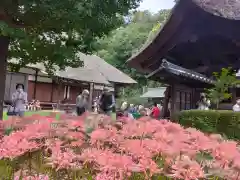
{"x":43,"y":149}
{"x":223,"y":122}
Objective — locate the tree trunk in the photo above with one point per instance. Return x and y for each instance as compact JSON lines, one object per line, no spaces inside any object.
{"x":91,"y":97}
{"x":4,"y":43}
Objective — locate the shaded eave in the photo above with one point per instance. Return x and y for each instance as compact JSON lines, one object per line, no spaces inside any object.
{"x":165,"y":32}
{"x":165,"y":39}
{"x":179,"y":73}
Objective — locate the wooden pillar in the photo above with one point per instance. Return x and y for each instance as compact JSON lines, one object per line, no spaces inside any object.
{"x":59,"y":93}
{"x":91,"y":96}
{"x":116,"y":88}
{"x":166,"y":101}
{"x":193,"y":99}
{"x":173,"y":99}
{"x":52,"y":90}
{"x":4,"y":43}
{"x":35,"y":84}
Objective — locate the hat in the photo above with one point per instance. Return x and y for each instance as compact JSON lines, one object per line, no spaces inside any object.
{"x":85,"y":92}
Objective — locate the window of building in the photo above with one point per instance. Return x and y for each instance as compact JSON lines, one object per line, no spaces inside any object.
{"x":66,"y":92}
{"x":183,"y":101}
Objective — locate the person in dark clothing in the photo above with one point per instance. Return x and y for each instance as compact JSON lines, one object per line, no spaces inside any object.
{"x":106,"y":102}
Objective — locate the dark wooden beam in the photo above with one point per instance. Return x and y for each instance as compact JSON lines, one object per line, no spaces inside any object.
{"x":167,"y":37}
{"x":35,"y":84}
{"x":157,"y":56}
{"x":4,"y":44}
{"x":91,"y":89}
{"x":165,"y":102}
{"x":52,"y":91}
{"x":154,"y":72}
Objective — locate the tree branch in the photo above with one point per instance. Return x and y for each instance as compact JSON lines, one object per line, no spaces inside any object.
{"x":9,"y":20}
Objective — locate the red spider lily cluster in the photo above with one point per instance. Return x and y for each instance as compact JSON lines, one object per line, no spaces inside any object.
{"x":43,"y":148}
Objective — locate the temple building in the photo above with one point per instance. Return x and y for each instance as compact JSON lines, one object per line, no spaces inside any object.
{"x":66,"y":85}
{"x":200,"y":37}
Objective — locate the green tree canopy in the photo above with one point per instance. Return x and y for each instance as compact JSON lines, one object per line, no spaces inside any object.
{"x":224,"y":80}
{"x":52,"y":31}
{"x":121,"y":43}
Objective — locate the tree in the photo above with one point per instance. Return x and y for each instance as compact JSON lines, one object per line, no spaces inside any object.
{"x":162,"y":17}
{"x":225,"y":80}
{"x":52,"y":31}
{"x":121,"y":43}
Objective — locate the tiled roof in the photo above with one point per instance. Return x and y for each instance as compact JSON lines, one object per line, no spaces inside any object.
{"x":178,"y":70}
{"x":95,"y":70}
{"x":229,"y":9}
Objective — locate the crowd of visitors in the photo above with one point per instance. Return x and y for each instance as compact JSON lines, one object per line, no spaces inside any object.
{"x":136,"y":111}
{"x":104,"y":104}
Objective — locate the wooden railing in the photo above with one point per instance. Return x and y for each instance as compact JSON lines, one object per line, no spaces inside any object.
{"x":54,"y":106}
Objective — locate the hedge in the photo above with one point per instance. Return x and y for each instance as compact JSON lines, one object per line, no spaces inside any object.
{"x":222,"y":122}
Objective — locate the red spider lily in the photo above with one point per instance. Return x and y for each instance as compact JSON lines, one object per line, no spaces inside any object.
{"x":117,"y":151}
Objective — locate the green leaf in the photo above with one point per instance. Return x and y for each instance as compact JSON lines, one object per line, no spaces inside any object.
{"x":51,"y":32}
{"x":123,"y":42}
{"x":203,"y":156}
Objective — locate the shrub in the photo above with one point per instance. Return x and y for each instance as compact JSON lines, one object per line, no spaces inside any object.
{"x":45,"y":149}
{"x":211,"y":121}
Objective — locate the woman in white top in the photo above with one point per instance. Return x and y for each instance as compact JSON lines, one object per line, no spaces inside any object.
{"x":82,"y":102}
{"x":19,"y":101}
{"x":236,"y":107}
{"x":203,"y":103}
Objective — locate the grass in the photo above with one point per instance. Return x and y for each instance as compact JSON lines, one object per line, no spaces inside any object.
{"x":45,"y":113}
{"x":30,"y":113}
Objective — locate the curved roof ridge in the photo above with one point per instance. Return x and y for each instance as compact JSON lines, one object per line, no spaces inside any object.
{"x":229,"y":9}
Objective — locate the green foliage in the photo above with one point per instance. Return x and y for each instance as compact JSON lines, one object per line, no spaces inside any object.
{"x":120,"y":44}
{"x":224,"y":80}
{"x":52,"y":31}
{"x":226,"y":123}
{"x":155,"y":30}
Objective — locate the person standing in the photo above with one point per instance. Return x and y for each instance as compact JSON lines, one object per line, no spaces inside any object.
{"x":82,"y":102}
{"x":203,"y":103}
{"x":155,"y":111}
{"x":106,"y":102}
{"x":95,"y":105}
{"x":236,"y":107}
{"x":19,"y":101}
{"x":132,"y":109}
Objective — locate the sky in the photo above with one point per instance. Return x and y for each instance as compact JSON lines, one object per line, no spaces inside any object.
{"x":155,"y":5}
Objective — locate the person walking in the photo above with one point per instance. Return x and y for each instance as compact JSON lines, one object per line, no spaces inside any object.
{"x":106,"y":102}
{"x":82,"y":102}
{"x":19,"y":102}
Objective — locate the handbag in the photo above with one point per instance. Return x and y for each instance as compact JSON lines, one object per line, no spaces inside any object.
{"x":12,"y":111}
{"x":80,"y":110}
